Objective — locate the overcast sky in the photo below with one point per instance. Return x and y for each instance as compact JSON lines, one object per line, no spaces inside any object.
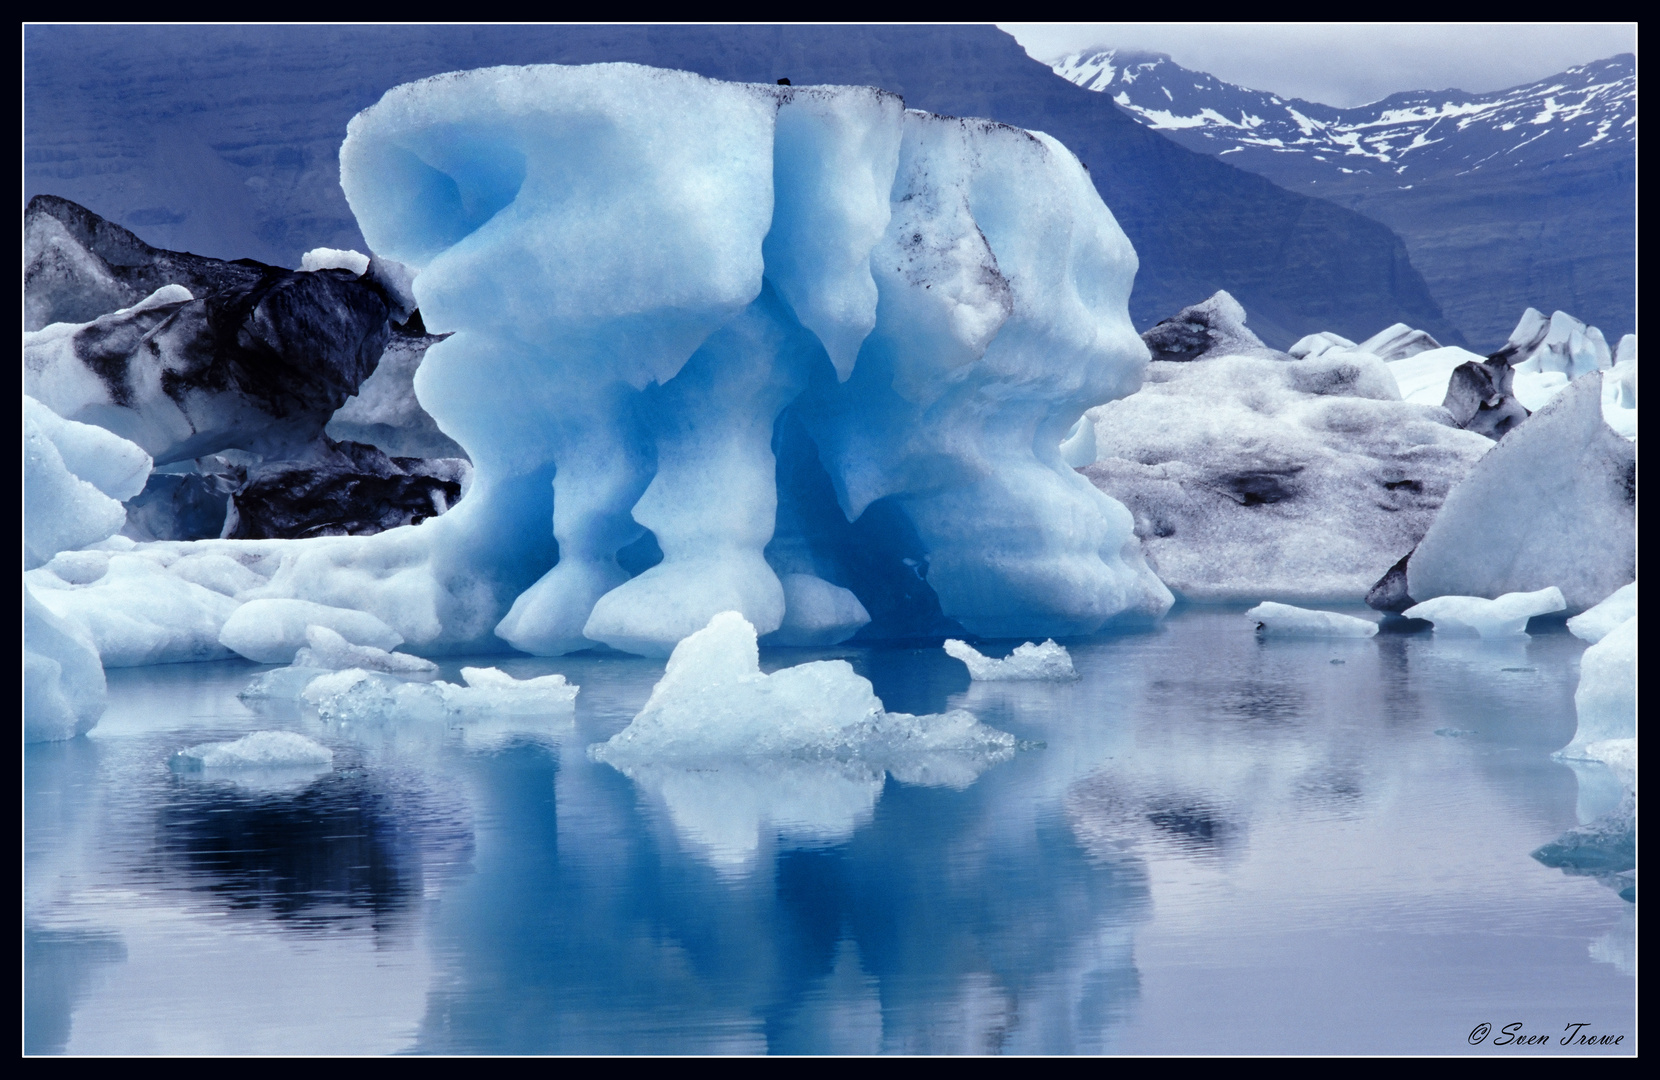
{"x":1347,"y":64}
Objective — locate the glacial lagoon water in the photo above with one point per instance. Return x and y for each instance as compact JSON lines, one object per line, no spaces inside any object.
{"x":1211,"y":842}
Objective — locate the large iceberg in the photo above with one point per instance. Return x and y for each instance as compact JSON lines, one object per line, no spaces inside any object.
{"x":1554,"y":504}
{"x":1251,"y":473}
{"x":641,"y":271}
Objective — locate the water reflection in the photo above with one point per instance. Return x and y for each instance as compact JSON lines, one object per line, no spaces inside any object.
{"x":1216,"y":825}
{"x":332,"y":850}
{"x":58,"y":968}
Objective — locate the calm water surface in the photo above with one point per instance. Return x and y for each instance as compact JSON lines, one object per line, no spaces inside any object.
{"x":1223,"y":844}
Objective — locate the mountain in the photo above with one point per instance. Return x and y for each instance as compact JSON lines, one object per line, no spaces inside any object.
{"x":223,"y":140}
{"x":1516,"y":198}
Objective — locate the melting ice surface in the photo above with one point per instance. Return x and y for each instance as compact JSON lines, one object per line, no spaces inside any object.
{"x":1227,"y":843}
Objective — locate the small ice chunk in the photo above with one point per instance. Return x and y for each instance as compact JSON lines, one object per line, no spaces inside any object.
{"x":713,"y":702}
{"x":281,"y":684}
{"x":1606,"y":699}
{"x":1596,"y":623}
{"x":335,"y":259}
{"x":1289,"y":621}
{"x":261,"y":750}
{"x":359,"y":695}
{"x":1505,"y":617}
{"x":1030,"y":662}
{"x":272,"y":631}
{"x":326,"y":649}
{"x":495,"y":690}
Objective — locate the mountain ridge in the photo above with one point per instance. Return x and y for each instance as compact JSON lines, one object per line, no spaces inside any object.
{"x":229,"y":136}
{"x":1519,"y":197}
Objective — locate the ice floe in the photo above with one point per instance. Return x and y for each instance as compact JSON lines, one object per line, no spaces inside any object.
{"x":1047,"y":662}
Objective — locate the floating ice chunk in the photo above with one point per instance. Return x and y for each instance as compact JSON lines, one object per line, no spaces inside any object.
{"x":281,"y":684}
{"x":1596,"y":623}
{"x":622,"y":228}
{"x":261,"y":750}
{"x":1606,"y":699}
{"x":335,"y":259}
{"x":1505,"y":617}
{"x":272,"y":631}
{"x":1031,"y":662}
{"x":1284,"y":619}
{"x":713,"y":702}
{"x":1553,"y":504}
{"x":817,"y":612}
{"x":495,"y":690}
{"x":361,"y":696}
{"x":63,"y":682}
{"x":326,"y":649}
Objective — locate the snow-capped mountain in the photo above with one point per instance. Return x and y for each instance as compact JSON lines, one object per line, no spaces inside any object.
{"x":1397,"y":141}
{"x":1520,"y":198}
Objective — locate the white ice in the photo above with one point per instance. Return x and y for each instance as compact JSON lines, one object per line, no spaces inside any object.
{"x":357,"y":695}
{"x":1319,"y":344}
{"x":1047,"y":662}
{"x":1606,"y":699}
{"x":1566,"y":345}
{"x":1301,"y":480}
{"x":1506,"y":616}
{"x":260,"y":750}
{"x":1553,"y":504}
{"x":335,"y":259}
{"x":1423,"y":376}
{"x":713,"y":703}
{"x":63,"y":682}
{"x":75,"y":477}
{"x":1289,"y":621}
{"x":327,"y":650}
{"x":271,"y":631}
{"x":1596,"y":623}
{"x":1398,"y":342}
